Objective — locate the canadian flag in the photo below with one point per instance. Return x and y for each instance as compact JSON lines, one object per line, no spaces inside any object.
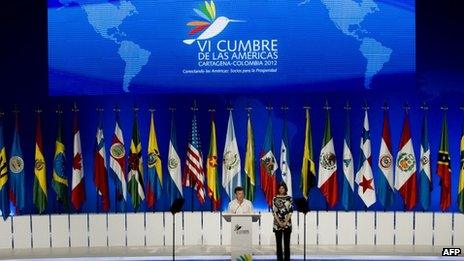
{"x":78,"y":186}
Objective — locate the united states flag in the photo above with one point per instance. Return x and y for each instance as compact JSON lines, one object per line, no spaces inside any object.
{"x":194,"y":175}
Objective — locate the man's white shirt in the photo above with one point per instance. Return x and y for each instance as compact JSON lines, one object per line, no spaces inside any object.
{"x":240,"y":208}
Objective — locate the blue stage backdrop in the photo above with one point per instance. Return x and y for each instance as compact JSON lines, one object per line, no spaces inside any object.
{"x":292,"y":53}
{"x":296,"y":121}
{"x":225,"y":46}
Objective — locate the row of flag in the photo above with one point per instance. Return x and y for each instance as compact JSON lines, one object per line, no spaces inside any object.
{"x":398,"y":174}
{"x":201,"y":174}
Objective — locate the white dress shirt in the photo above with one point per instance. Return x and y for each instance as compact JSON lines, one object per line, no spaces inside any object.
{"x":240,"y":208}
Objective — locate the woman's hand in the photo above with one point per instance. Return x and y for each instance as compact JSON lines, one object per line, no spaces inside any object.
{"x":279,"y":223}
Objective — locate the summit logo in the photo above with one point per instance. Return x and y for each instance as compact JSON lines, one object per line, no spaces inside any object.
{"x":207,"y":25}
{"x":227,"y":54}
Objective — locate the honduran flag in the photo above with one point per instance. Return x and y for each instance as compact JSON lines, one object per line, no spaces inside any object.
{"x":348,"y":168}
{"x":385,"y":186}
{"x":285,"y":160}
{"x":405,"y":168}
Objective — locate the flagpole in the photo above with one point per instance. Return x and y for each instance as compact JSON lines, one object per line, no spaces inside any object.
{"x":269,"y":109}
{"x":211,"y":110}
{"x":116,"y":111}
{"x":307,"y":108}
{"x":172,"y":109}
{"x":385,"y":109}
{"x":443,"y":108}
{"x":136,"y":109}
{"x":248,"y":109}
{"x":230,"y":108}
{"x":2,"y":115}
{"x":406,"y":108}
{"x":75,"y":110}
{"x":327,"y":109}
{"x":462,"y":109}
{"x":425,"y":108}
{"x":16,"y":116}
{"x":100,"y":116}
{"x":59,"y":114}
{"x":194,"y":109}
{"x":152,"y":112}
{"x":285,"y":108}
{"x":38,"y":111}
{"x":347,"y":109}
{"x":365,"y":107}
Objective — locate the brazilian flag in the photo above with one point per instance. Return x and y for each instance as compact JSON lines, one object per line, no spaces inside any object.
{"x":60,"y":181}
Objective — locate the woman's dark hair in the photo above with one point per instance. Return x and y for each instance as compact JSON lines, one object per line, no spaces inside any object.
{"x":283,"y":185}
{"x":237,"y":189}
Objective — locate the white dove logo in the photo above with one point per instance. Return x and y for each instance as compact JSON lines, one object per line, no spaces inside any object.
{"x":209,"y":25}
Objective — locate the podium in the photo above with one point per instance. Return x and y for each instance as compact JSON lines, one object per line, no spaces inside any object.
{"x":241,"y":234}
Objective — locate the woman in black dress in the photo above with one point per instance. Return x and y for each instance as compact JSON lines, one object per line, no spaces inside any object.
{"x":282,"y":207}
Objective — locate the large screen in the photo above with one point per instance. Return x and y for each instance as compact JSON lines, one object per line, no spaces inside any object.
{"x":225,"y":46}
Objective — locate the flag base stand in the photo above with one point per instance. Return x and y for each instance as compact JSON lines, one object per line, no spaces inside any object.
{"x":173,"y":236}
{"x":176,"y":207}
{"x":304,"y":236}
{"x":302,"y":206}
